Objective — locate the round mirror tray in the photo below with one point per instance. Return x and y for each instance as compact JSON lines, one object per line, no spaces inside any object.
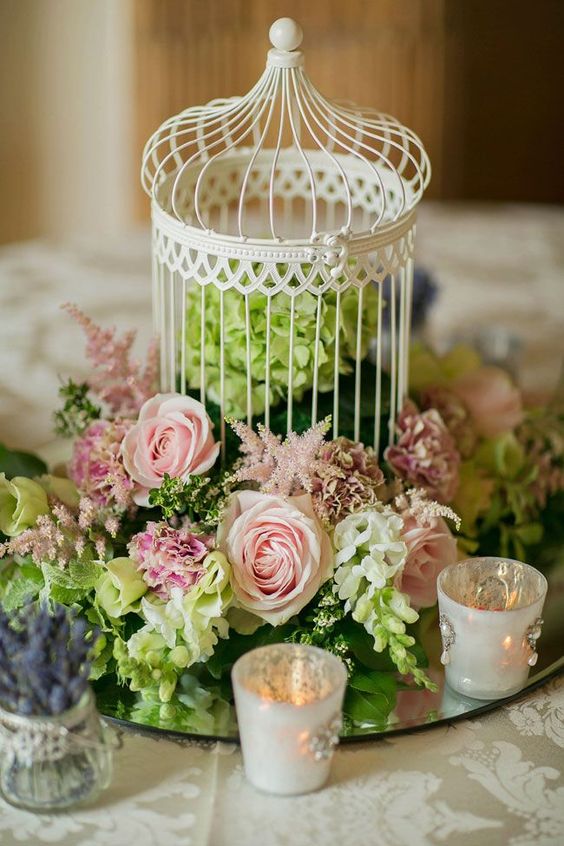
{"x":414,"y":709}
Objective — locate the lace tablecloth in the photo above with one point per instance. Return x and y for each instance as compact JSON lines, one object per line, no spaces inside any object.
{"x":493,"y":780}
{"x":497,"y":779}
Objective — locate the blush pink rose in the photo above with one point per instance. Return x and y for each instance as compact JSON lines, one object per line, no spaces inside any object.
{"x":279,"y":554}
{"x":173,"y":435}
{"x":494,"y":402}
{"x":430,"y":549}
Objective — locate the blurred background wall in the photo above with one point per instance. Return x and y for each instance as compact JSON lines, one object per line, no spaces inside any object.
{"x":84,"y":83}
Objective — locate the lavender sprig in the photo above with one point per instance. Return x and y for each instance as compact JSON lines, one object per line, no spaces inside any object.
{"x":44,"y":660}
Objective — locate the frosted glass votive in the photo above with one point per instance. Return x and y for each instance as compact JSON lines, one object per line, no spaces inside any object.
{"x":289,"y":701}
{"x":490,"y":620}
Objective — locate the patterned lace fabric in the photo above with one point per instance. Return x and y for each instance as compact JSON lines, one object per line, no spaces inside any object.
{"x":498,"y":779}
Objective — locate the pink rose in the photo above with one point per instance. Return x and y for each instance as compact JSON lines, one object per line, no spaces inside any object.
{"x":430,"y":549}
{"x":492,"y":399}
{"x":279,"y":554}
{"x":173,"y":435}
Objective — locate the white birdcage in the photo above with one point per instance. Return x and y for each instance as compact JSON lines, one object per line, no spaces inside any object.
{"x":277,"y":216}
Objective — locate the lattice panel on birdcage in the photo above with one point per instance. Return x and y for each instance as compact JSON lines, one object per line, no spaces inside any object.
{"x":192,"y":305}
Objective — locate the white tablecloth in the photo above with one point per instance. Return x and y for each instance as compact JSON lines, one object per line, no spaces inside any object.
{"x":493,"y":780}
{"x":497,"y":779}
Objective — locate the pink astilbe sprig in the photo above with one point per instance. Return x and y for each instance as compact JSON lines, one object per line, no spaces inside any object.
{"x":416,"y":503}
{"x":60,"y":537}
{"x":257,"y":449}
{"x":282,"y":467}
{"x":118,"y":380}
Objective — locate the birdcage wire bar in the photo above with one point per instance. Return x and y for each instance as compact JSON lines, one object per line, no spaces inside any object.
{"x":286,"y":198}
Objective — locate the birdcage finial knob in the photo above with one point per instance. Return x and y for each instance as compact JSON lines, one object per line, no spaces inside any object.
{"x":285,"y":34}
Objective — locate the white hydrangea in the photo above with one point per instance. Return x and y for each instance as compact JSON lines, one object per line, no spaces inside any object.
{"x":370,"y":552}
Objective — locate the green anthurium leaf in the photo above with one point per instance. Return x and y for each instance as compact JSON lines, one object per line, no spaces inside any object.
{"x":15,"y":463}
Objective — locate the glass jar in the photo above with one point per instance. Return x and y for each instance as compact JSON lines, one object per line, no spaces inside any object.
{"x":51,"y":763}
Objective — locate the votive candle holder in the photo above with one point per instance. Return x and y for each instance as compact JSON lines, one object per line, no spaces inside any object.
{"x":289,"y":700}
{"x":490,"y":620}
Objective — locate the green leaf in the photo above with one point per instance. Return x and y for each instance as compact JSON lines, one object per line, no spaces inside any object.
{"x":23,"y":587}
{"x":14,"y":463}
{"x":364,"y":707}
{"x":374,"y":682}
{"x":362,"y":647}
{"x":67,"y":596}
{"x":56,"y":576}
{"x":84,"y":573}
{"x":229,"y":650}
{"x":530,"y":533}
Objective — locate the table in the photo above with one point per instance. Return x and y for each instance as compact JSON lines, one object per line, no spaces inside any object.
{"x":497,"y":779}
{"x":493,"y":780}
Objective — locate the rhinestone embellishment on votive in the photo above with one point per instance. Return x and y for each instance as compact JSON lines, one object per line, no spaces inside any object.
{"x":322,"y":744}
{"x":531,"y":636}
{"x":447,"y":636}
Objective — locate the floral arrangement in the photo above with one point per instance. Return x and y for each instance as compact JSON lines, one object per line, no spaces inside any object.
{"x":177,"y":565}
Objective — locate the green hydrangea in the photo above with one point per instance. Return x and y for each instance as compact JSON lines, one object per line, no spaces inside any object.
{"x":178,"y":632}
{"x":235,"y":343}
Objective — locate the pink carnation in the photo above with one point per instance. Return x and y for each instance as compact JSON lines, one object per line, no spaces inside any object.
{"x":425,"y":454}
{"x":96,"y":466}
{"x":169,"y":557}
{"x":430,"y":548}
{"x":455,"y":415}
{"x":346,"y":478}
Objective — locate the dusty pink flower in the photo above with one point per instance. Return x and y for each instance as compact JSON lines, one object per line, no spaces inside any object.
{"x":543,"y":440}
{"x":96,"y":466}
{"x":346,"y":479}
{"x":430,"y":548}
{"x":172,"y":435}
{"x":425,"y":454}
{"x":279,"y":554}
{"x":281,"y":467}
{"x":455,"y":416}
{"x":168,"y":557}
{"x":492,"y":399}
{"x":60,"y":537}
{"x":117,"y":379}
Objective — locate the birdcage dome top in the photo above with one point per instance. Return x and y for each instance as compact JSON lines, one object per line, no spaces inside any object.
{"x":283,"y":169}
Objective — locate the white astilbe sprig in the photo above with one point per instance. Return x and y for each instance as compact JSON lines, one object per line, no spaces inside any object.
{"x":425,"y":511}
{"x":280,"y":466}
